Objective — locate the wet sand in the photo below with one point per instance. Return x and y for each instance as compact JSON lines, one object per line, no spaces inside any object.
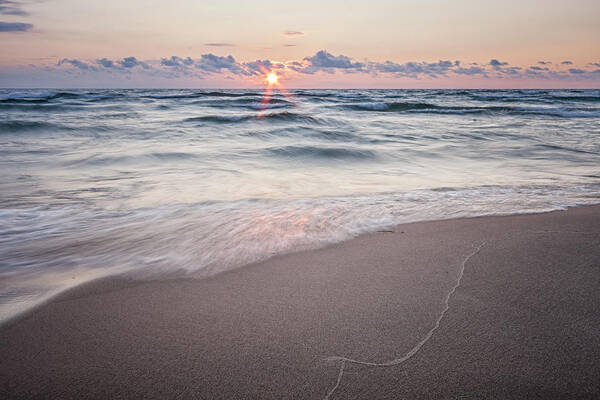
{"x":492,"y":307}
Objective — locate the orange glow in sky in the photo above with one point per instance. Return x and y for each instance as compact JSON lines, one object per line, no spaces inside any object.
{"x":112,"y":43}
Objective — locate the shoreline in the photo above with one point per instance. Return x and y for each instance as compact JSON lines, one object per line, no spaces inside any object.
{"x":520,"y":323}
{"x":131,"y":277}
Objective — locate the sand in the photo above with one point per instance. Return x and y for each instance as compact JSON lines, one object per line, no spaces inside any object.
{"x":492,"y":307}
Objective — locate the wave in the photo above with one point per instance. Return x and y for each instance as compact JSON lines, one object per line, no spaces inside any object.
{"x":211,"y":237}
{"x":325,"y":153}
{"x":268,"y":106}
{"x":252,"y":100}
{"x":589,"y":99}
{"x":350,"y":95}
{"x":221,"y":118}
{"x":229,"y":94}
{"x":535,"y":97}
{"x":16,"y":126}
{"x":274,"y":116}
{"x":421,"y":107}
{"x":289,"y":116}
{"x":197,"y":95}
{"x":314,"y":94}
{"x":36,"y":96}
{"x":133,"y":159}
{"x":370,"y":106}
{"x":251,"y":103}
{"x":44,"y":96}
{"x":50,"y":97}
{"x":506,"y":99}
{"x":36,"y":107}
{"x":566,"y":112}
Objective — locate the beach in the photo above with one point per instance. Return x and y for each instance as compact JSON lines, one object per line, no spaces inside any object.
{"x":274,"y":200}
{"x":489,"y":307}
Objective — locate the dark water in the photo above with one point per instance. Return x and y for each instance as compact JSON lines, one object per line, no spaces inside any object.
{"x":162,"y":182}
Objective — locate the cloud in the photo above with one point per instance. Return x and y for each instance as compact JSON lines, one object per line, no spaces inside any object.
{"x":503,"y":69}
{"x":497,"y":64}
{"x":535,"y":71}
{"x":105,"y":62}
{"x":131,"y":62}
{"x":327,"y":62}
{"x":414,"y":69}
{"x":214,"y":68}
{"x":545,"y":62}
{"x":470,"y":71}
{"x":293,"y":33}
{"x":77,"y":64}
{"x":324,"y":61}
{"x":258,"y":67}
{"x":512,"y":70}
{"x":214,"y":64}
{"x":176,"y":61}
{"x":8,"y":7}
{"x":219,"y":44}
{"x":124,"y":64}
{"x":14,"y":27}
{"x":289,"y":45}
{"x":567,"y":63}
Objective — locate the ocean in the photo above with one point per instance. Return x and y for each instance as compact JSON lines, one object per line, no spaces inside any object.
{"x":157,"y":184}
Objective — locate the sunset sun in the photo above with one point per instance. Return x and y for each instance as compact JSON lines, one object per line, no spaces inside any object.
{"x":272,"y":78}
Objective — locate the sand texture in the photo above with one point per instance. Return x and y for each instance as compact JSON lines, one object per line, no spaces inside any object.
{"x":492,"y":307}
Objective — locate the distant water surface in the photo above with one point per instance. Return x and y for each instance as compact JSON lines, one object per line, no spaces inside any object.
{"x":166,"y":182}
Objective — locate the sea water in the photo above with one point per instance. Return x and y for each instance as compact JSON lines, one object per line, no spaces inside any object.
{"x":164,"y":183}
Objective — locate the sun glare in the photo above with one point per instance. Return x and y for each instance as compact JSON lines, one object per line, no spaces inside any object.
{"x":272,"y":78}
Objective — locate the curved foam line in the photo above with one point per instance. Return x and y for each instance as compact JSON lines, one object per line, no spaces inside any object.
{"x":418,"y":346}
{"x":572,"y":232}
{"x":339,"y":380}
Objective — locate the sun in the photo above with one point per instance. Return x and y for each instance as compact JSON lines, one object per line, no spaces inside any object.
{"x":272,"y":78}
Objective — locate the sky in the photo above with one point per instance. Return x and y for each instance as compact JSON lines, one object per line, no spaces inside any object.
{"x":309,"y":44}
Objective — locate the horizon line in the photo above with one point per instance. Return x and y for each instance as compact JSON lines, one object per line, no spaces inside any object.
{"x":262,"y":88}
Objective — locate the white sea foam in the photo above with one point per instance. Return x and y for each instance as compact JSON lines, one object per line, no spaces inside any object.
{"x":47,"y":250}
{"x":373,"y":106}
{"x":25,"y":95}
